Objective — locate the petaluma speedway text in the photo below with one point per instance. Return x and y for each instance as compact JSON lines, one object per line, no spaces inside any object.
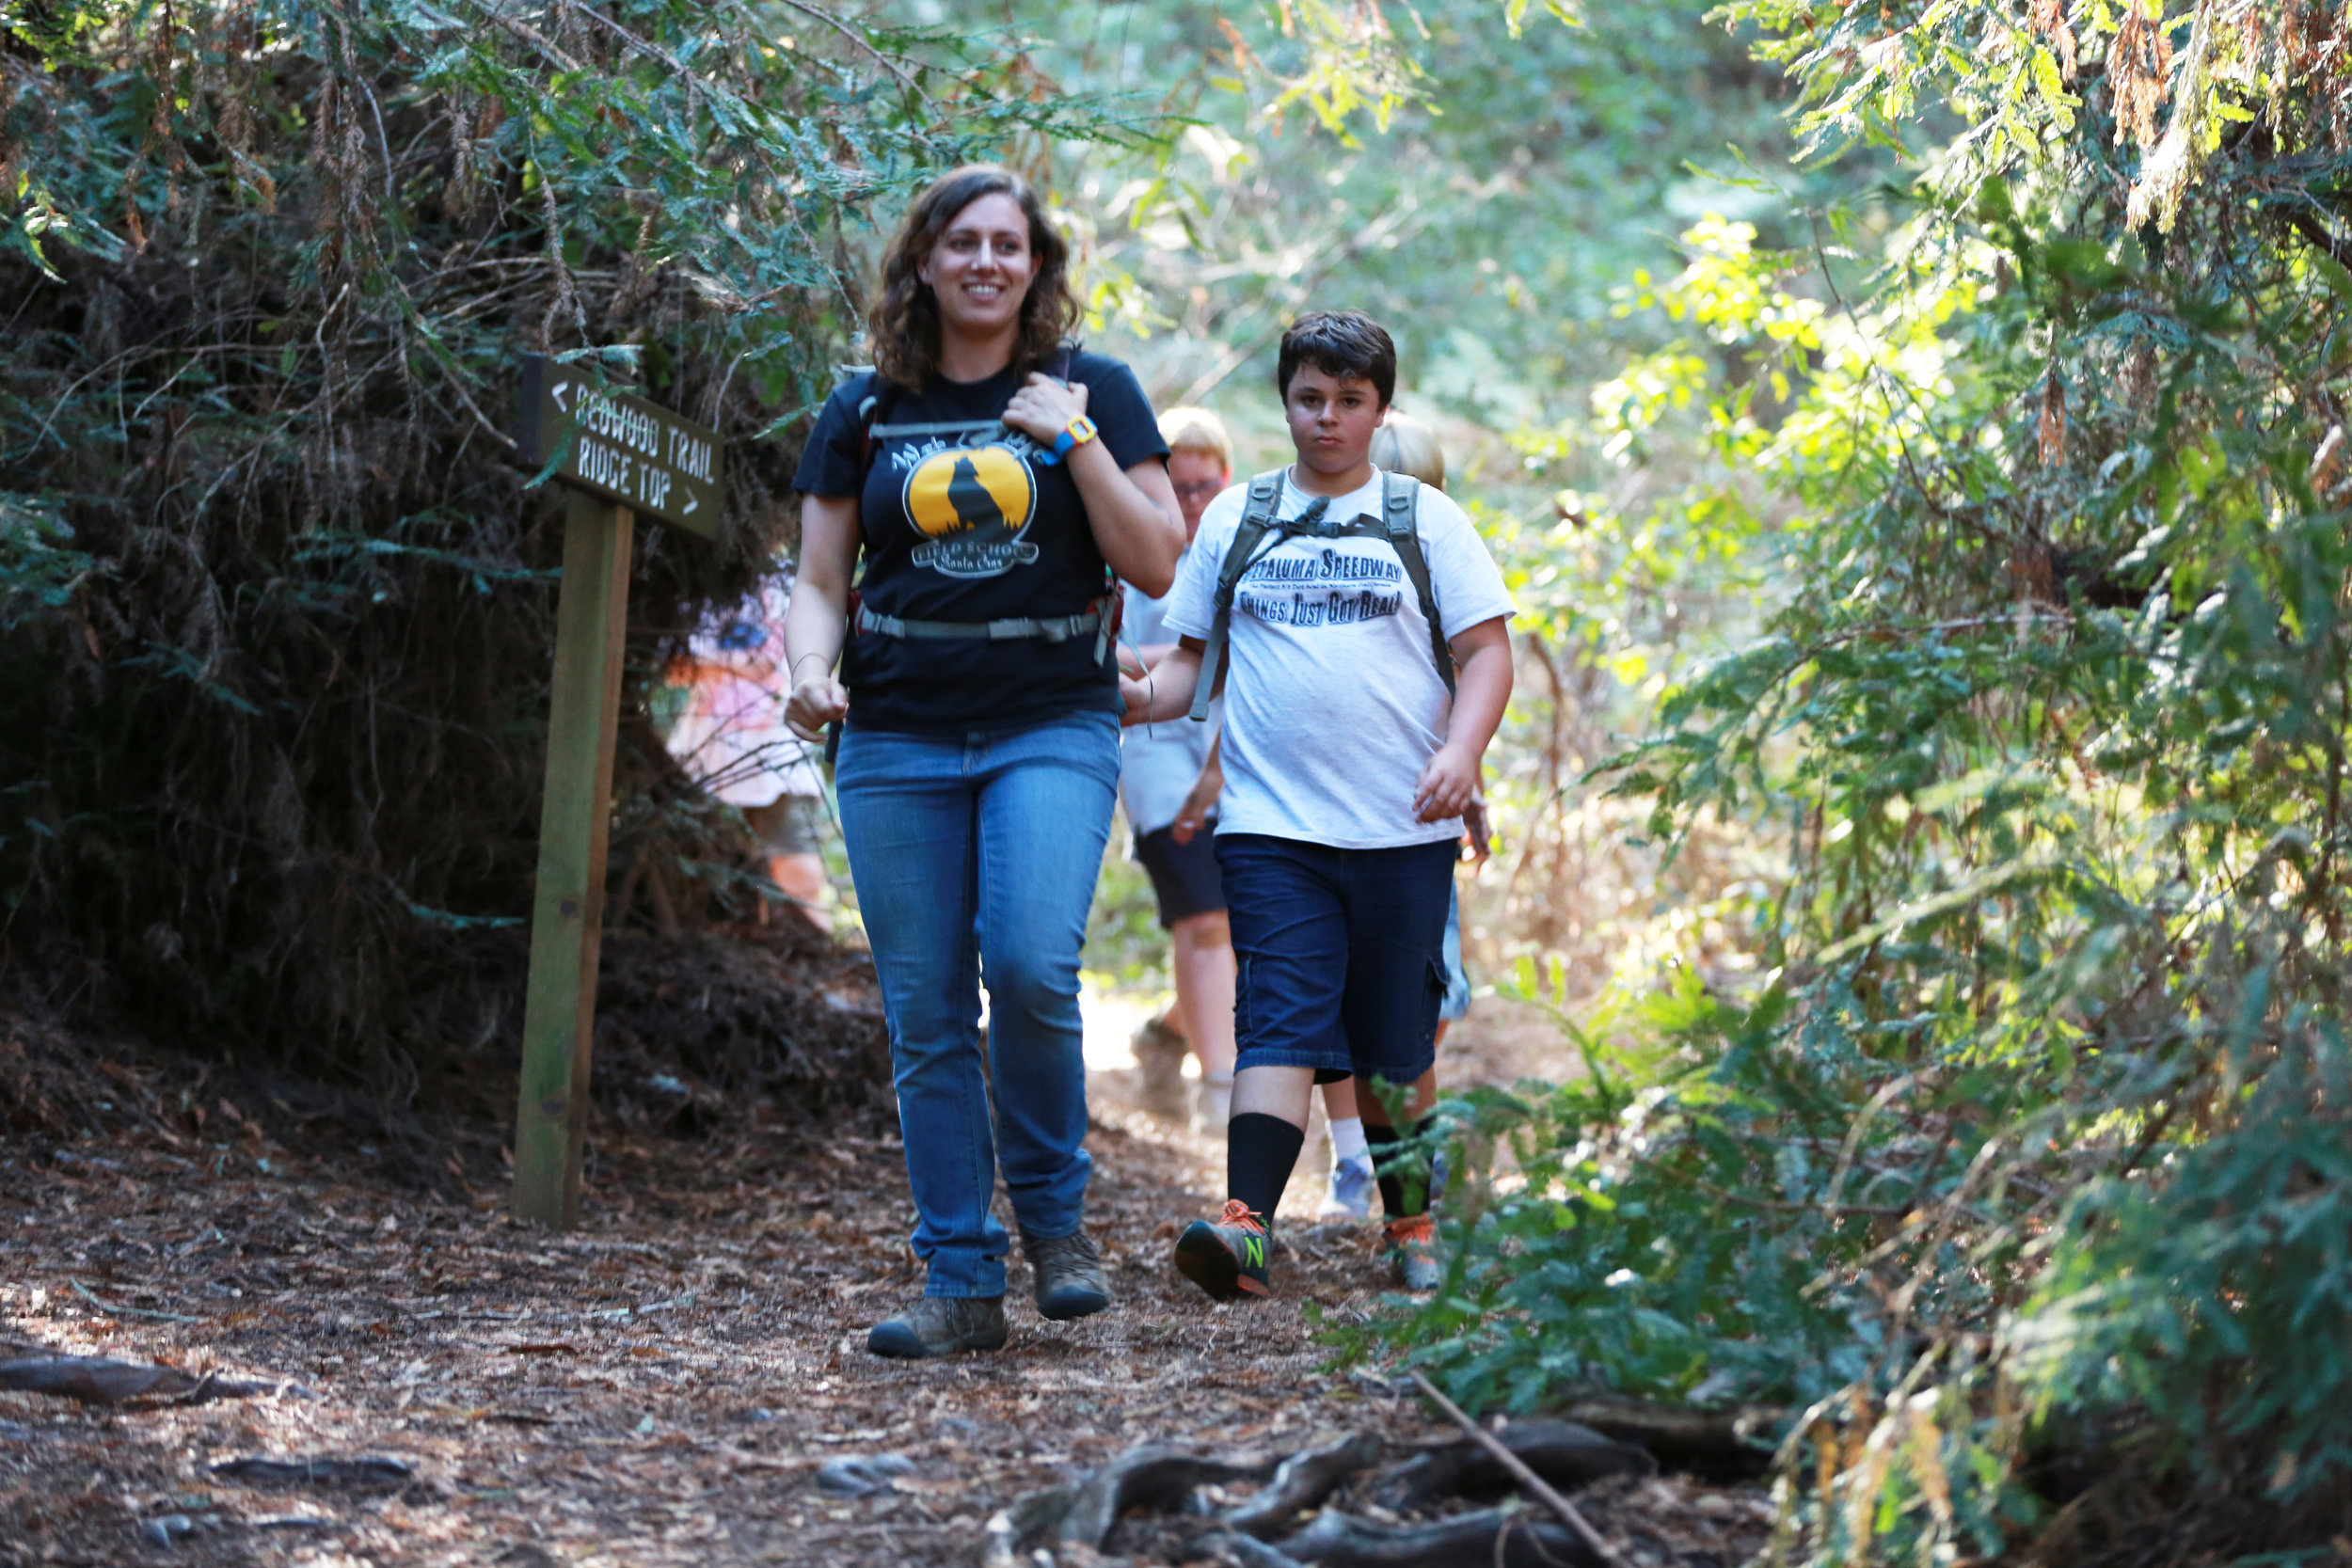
{"x":1324,"y":566}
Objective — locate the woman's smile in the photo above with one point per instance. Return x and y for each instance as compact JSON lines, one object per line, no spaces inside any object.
{"x":982,"y":266}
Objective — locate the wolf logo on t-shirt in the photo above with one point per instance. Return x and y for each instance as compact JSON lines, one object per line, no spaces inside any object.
{"x":972,"y":505}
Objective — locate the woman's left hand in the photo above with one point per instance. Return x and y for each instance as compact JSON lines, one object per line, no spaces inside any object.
{"x":1043,"y":407}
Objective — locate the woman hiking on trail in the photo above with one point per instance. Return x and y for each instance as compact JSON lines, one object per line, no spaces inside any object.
{"x":994,"y":477}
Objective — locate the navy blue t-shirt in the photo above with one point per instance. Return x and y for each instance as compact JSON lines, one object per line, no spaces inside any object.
{"x":961,"y":522}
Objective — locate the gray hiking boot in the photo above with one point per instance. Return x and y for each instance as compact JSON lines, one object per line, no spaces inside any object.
{"x":1069,"y":1274}
{"x":940,"y":1326}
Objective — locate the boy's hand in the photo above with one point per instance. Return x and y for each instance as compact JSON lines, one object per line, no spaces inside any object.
{"x":1446,"y":787}
{"x":1194,"y":815}
{"x":815,"y":704}
{"x":1043,"y":407}
{"x":1136,"y":695}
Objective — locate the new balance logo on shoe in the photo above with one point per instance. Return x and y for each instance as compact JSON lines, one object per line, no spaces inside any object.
{"x":1226,"y":1259}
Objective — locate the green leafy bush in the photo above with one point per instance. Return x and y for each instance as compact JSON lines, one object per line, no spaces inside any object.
{"x":2028,"y":1138}
{"x":275,"y":605}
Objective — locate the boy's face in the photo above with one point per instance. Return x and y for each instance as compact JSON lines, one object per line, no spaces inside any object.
{"x":1198,"y":477}
{"x":1331,"y":418}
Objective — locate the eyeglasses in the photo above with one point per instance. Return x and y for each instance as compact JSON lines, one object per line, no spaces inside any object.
{"x":1209,"y":490}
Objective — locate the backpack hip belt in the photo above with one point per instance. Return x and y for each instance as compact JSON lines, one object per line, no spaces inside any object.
{"x":1018,"y":628}
{"x":1399,"y":523}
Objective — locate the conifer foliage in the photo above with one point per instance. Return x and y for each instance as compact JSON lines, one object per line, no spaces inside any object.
{"x":275,"y":607}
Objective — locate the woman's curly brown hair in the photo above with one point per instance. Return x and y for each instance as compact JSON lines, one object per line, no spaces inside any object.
{"x":904,"y":325}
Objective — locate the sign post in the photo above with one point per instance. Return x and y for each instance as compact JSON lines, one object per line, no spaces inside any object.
{"x":617,"y":455}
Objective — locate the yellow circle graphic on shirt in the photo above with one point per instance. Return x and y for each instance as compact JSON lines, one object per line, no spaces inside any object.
{"x":963,"y":488}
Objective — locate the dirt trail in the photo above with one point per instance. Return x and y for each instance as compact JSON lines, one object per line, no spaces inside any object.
{"x":657,"y":1387}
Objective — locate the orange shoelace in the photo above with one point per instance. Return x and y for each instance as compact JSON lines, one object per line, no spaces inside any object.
{"x":1238,"y":1212}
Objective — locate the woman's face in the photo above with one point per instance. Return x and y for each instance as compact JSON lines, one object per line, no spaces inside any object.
{"x":981,"y":268}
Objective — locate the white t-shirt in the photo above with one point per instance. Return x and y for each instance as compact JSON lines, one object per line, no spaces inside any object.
{"x":1333,"y":701}
{"x":1158,"y":763}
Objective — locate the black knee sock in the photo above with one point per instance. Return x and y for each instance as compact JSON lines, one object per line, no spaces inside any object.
{"x":1403,"y":1193}
{"x":1260,"y":1151}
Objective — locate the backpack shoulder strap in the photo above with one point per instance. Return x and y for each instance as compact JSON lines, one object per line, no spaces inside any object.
{"x":875,"y":400}
{"x":1257,"y":516}
{"x":1399,"y":512}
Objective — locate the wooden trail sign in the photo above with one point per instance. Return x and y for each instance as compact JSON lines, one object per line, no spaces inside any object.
{"x":620,"y":455}
{"x":617,"y":445}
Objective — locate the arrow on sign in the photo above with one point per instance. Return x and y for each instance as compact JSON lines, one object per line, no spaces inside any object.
{"x":642,"y":455}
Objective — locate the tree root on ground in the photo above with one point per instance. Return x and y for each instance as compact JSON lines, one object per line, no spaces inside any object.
{"x":1509,"y":1536}
{"x":1303,"y":1481}
{"x":1562,"y":1452}
{"x":1156,"y":1503}
{"x":260,"y":1471}
{"x":1717,"y":1445}
{"x":1081,"y":1515}
{"x":96,"y":1380}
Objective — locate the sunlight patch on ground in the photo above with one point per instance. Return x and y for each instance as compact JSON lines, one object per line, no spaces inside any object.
{"x":1112,"y":1016}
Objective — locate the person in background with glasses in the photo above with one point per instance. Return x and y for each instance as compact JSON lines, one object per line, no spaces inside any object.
{"x":1158,"y":767}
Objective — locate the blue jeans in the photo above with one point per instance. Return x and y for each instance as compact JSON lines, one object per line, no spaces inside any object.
{"x":1341,"y":954}
{"x":1003,"y":830}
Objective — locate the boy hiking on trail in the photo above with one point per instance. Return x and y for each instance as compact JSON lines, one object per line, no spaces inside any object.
{"x":1353,"y":732}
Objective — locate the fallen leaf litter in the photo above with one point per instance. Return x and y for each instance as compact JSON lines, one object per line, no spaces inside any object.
{"x":415,"y":1379}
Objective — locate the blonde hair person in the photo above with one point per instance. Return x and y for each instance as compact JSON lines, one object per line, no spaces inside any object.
{"x":1197,"y":430}
{"x":1165,"y":774}
{"x":1404,"y":446}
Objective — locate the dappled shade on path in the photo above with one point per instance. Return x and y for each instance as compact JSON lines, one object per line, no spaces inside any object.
{"x":663,"y":1385}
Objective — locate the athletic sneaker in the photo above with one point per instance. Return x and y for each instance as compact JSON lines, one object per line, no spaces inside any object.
{"x":1351,"y":1186}
{"x":1069,"y":1272}
{"x":1412,"y":1251}
{"x":940,"y":1326}
{"x":1226,"y":1259}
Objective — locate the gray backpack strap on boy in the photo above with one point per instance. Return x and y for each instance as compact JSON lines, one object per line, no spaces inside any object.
{"x":1257,"y":516}
{"x":1399,"y":523}
{"x":1401,"y":510}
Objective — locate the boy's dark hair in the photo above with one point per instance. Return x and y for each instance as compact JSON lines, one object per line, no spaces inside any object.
{"x":1339,"y":343}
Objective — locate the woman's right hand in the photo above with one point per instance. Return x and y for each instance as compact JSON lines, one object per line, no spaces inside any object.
{"x":814,"y":703}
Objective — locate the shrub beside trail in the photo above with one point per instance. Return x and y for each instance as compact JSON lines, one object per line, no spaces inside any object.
{"x":2013,"y":1169}
{"x":275,"y":607}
